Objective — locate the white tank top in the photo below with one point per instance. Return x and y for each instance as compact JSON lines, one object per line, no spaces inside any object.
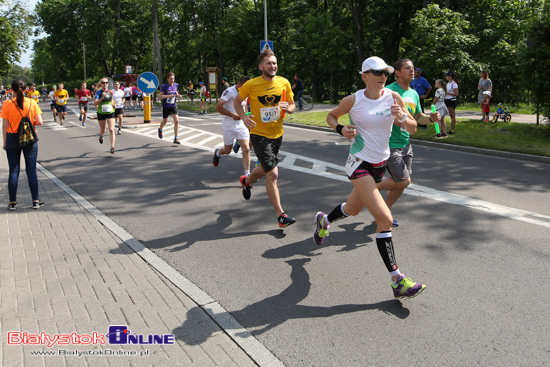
{"x":374,"y":122}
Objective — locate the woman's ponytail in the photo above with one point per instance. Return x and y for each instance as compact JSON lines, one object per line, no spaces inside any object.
{"x":19,"y":86}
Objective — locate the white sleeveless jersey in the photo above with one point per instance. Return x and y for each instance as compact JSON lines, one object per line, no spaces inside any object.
{"x":374,"y":122}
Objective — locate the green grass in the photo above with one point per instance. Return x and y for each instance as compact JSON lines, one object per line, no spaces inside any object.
{"x":503,"y":136}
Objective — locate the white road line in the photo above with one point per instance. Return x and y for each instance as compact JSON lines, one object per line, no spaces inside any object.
{"x":319,"y":168}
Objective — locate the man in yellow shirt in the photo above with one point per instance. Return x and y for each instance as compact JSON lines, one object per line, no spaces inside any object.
{"x":267,"y":95}
{"x":60,"y":97}
{"x":34,"y":94}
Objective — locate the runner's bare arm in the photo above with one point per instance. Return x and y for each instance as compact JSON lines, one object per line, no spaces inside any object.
{"x":344,"y":107}
{"x":221,"y":109}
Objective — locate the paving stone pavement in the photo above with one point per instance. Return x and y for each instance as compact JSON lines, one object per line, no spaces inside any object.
{"x":63,"y":272}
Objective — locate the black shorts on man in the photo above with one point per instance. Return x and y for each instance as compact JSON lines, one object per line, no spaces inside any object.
{"x":167,"y":111}
{"x":61,"y":107}
{"x":266,"y":150}
{"x":83,"y":106}
{"x":119,"y":111}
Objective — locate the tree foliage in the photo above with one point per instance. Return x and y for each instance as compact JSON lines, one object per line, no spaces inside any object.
{"x":324,"y":41}
{"x":13,"y":33}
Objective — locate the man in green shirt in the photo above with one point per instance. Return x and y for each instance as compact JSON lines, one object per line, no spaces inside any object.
{"x":400,"y":162}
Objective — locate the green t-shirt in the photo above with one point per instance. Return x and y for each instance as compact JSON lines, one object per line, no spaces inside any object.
{"x":399,"y":137}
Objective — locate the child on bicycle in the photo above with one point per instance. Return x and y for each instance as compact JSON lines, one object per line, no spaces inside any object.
{"x":486,"y":103}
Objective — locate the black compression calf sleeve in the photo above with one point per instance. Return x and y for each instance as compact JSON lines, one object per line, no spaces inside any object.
{"x":337,"y":214}
{"x":385,"y":247}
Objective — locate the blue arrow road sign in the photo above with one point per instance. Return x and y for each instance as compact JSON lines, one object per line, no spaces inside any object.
{"x":148,"y":82}
{"x":264,"y":45}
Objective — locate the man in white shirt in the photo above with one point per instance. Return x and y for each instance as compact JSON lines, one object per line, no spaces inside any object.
{"x":233,"y":127}
{"x":118,"y":97}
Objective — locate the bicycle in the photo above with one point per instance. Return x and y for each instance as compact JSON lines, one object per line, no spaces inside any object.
{"x":307,"y":102}
{"x":502,"y":114}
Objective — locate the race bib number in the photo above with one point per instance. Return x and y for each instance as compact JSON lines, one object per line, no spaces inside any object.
{"x":34,"y":97}
{"x":172,"y":100}
{"x":60,"y":101}
{"x":83,"y":99}
{"x":352,"y":163}
{"x":107,"y":108}
{"x":270,"y":114}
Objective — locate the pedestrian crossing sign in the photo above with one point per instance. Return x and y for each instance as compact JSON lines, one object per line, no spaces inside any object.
{"x":266,"y":45}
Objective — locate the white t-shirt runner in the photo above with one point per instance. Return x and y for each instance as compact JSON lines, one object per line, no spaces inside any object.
{"x":118,"y":97}
{"x":228,"y":96}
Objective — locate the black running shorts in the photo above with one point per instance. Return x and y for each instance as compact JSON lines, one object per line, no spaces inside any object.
{"x":105,"y":116}
{"x":266,"y":150}
{"x":376,"y":170}
{"x":167,"y":111}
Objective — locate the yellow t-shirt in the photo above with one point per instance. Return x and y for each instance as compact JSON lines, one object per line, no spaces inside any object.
{"x":264,"y":98}
{"x":61,"y":96}
{"x":34,"y":95}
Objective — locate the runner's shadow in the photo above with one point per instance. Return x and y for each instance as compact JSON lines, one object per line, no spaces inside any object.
{"x":209,"y":232}
{"x":309,"y":248}
{"x":274,"y":311}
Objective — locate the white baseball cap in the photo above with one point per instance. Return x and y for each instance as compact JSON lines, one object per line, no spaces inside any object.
{"x":375,"y":63}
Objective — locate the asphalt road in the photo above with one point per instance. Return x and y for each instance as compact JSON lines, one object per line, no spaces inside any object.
{"x":475,"y":229}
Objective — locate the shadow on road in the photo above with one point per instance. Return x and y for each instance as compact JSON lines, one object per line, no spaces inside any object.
{"x":274,"y":311}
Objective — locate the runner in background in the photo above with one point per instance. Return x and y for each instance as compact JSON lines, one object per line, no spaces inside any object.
{"x":203,"y":96}
{"x":61,"y":95}
{"x":168,"y":94}
{"x":103,"y":100}
{"x":83,"y":95}
{"x":34,"y":94}
{"x":118,"y":97}
{"x":51,"y":96}
{"x":232,"y":126}
{"x":127,"y":96}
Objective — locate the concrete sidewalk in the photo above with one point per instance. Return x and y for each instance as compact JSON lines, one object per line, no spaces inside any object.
{"x":62,"y":271}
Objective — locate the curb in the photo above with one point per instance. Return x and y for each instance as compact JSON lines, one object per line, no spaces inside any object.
{"x":236,"y":332}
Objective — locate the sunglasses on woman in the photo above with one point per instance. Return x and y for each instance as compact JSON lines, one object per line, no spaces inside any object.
{"x":378,"y":72}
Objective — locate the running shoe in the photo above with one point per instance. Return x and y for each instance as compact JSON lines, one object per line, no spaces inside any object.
{"x":160,"y":133}
{"x":322,"y":231}
{"x":437,"y":136}
{"x":37,"y":204}
{"x":406,"y":288}
{"x":12,"y":206}
{"x":257,"y":163}
{"x":216,"y":159}
{"x":236,"y":147}
{"x":112,"y":151}
{"x":451,"y":132}
{"x":80,"y":118}
{"x":200,"y":113}
{"x":176,"y":141}
{"x":246,"y":188}
{"x":284,"y":220}
{"x":119,"y":132}
{"x":83,"y":124}
{"x":395,"y":223}
{"x":100,"y":139}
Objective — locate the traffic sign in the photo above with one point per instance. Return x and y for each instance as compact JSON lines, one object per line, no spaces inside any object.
{"x":266,"y":45}
{"x":147,"y":82}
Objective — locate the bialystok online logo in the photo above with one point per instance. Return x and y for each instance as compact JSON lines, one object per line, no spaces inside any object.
{"x":118,"y":335}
